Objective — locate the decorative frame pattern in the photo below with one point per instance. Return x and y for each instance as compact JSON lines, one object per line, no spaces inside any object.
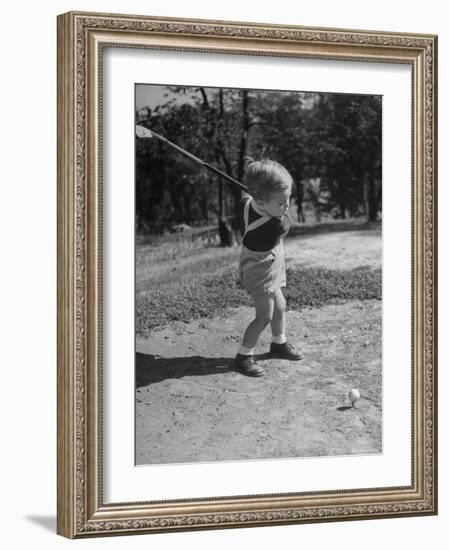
{"x":81,"y":38}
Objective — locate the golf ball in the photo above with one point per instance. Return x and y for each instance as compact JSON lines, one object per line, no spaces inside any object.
{"x":354,"y":396}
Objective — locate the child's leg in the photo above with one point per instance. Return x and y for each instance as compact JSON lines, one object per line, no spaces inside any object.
{"x":279,"y":345}
{"x":278,"y":320}
{"x":264,"y":305}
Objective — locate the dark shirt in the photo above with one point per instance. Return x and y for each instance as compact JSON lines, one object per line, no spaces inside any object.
{"x":268,"y":235}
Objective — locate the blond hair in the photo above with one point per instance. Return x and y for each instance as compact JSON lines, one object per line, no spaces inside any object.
{"x":264,"y":177}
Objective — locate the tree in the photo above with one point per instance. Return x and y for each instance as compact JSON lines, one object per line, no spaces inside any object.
{"x":350,"y":144}
{"x":332,"y":140}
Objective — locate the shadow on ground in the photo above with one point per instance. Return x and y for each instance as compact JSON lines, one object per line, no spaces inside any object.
{"x":46,"y":522}
{"x":151,"y":369}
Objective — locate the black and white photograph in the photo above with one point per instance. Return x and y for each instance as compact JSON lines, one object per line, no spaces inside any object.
{"x":258,"y":274}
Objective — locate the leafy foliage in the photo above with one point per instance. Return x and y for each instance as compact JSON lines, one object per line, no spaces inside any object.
{"x":331,"y":144}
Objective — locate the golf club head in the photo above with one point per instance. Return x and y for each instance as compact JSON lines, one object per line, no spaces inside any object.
{"x":142,"y":132}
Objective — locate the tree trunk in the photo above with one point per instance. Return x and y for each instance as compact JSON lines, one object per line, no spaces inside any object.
{"x":372,"y":199}
{"x":220,"y":199}
{"x":224,"y":229}
{"x":299,"y":201}
{"x":244,"y":136}
{"x":313,"y":191}
{"x":226,"y":233}
{"x":237,"y":220}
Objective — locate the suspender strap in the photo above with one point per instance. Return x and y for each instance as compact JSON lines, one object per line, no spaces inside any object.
{"x":256,"y":223}
{"x":246,"y":213}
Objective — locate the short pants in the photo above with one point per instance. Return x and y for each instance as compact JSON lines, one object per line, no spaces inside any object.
{"x":262,"y":272}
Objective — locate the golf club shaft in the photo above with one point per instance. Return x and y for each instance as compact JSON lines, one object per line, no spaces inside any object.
{"x":199,"y":161}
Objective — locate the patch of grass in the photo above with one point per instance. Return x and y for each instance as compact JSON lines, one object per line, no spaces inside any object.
{"x":204,"y":296}
{"x":314,"y":287}
{"x":209,"y":261}
{"x":208,"y":296}
{"x":175,"y":249}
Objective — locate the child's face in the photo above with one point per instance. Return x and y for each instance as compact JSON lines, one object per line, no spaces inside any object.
{"x":277,"y":204}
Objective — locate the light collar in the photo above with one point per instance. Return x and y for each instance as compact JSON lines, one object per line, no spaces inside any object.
{"x":258,"y":210}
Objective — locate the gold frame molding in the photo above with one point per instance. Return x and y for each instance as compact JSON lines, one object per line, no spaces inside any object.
{"x":81,"y":38}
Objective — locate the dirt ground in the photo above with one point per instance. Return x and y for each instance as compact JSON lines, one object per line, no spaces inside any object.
{"x":337,"y":250}
{"x":191,"y":406}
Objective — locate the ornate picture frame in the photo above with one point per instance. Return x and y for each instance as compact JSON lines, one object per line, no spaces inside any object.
{"x":82,"y":40}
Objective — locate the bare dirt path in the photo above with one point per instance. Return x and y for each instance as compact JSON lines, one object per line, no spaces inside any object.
{"x":338,"y":250}
{"x":191,"y":405}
